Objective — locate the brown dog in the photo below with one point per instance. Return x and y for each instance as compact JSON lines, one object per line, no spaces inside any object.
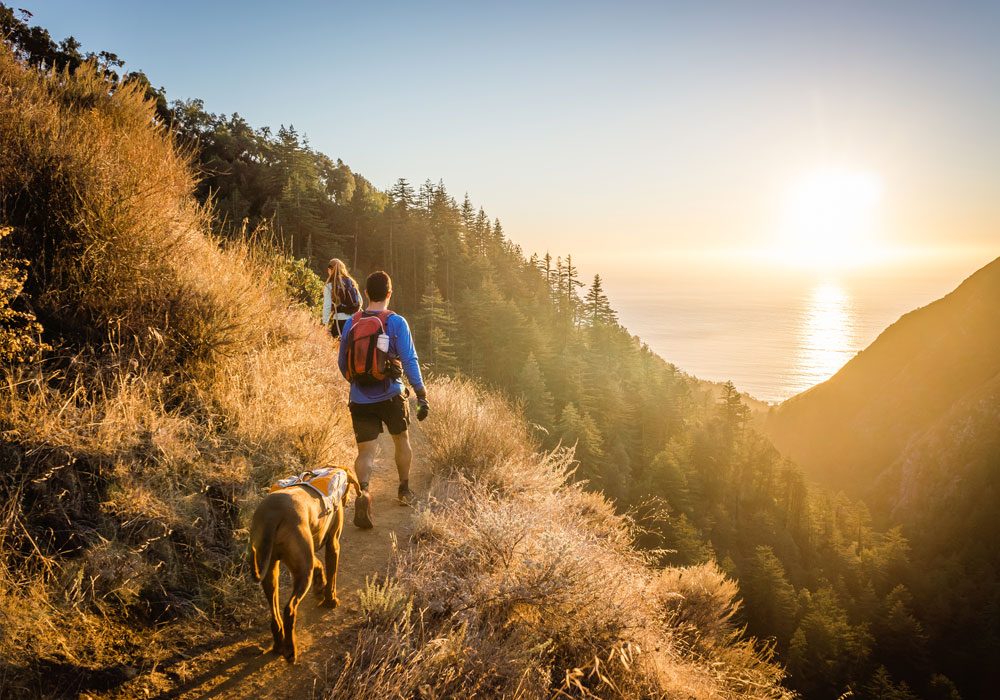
{"x":290,"y":526}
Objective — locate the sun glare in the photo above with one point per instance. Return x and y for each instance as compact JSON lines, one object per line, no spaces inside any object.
{"x":830,"y":219}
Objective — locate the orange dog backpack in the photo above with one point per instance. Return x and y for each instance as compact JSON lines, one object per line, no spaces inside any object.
{"x":368,"y":360}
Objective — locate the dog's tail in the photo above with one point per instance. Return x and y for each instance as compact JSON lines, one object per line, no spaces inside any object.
{"x":261,"y":551}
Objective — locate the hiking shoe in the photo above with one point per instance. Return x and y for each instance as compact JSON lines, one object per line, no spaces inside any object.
{"x":363,"y":511}
{"x":406,"y":497}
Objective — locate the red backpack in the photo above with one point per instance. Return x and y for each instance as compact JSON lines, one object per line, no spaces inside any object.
{"x":368,"y":364}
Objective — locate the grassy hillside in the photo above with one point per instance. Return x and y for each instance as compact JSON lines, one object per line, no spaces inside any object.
{"x":849,"y":429}
{"x":521,"y":584}
{"x":179,"y":379}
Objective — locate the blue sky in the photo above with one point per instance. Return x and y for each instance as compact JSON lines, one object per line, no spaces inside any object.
{"x":621,"y":132}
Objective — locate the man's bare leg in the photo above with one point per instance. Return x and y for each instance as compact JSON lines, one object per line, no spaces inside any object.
{"x":363,"y":468}
{"x":404,"y":456}
{"x":365,"y":462}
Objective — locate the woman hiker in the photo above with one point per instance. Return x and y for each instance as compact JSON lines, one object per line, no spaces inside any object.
{"x":341,"y":297}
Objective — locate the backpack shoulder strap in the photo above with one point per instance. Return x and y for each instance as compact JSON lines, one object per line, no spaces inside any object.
{"x":383,"y":316}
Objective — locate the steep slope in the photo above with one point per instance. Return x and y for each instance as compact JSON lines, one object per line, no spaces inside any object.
{"x":945,"y":488}
{"x":912,"y":425}
{"x":848,"y":430}
{"x":133,"y":450}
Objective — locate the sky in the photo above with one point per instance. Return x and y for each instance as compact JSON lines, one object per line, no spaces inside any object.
{"x":630,"y":134}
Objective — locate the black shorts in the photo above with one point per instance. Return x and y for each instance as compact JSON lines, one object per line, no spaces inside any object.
{"x":369,"y":417}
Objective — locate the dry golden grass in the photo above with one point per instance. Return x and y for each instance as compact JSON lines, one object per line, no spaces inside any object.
{"x":519,"y":584}
{"x":181,"y":382}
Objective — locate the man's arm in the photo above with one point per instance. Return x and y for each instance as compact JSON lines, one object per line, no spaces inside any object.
{"x":408,"y":355}
{"x":342,"y":354}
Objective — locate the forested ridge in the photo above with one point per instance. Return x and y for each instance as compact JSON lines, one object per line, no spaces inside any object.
{"x":831,"y":591}
{"x":915,"y":418}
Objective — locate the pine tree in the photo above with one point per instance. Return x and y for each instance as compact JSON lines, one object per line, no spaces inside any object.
{"x":537,"y":399}
{"x":403,"y":197}
{"x":596,"y":306}
{"x":438,"y":327}
{"x":497,"y":237}
{"x":882,"y":687}
{"x":668,"y":480}
{"x":770,"y":601}
{"x":426,"y":196}
{"x":735,"y":413}
{"x":570,"y":283}
{"x":480,"y":228}
{"x":468,"y":214}
{"x":576,"y":428}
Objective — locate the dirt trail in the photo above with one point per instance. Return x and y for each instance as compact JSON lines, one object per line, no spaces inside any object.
{"x":235,"y":668}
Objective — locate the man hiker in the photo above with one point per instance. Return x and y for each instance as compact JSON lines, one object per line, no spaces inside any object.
{"x":377,"y":349}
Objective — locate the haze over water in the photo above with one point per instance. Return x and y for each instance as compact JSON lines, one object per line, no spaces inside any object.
{"x":773,"y":334}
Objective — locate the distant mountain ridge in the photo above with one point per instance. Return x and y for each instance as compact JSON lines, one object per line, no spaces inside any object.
{"x":849,"y":430}
{"x":912,"y":426}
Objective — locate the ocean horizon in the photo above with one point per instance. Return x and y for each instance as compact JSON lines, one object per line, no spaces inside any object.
{"x":774,"y":335}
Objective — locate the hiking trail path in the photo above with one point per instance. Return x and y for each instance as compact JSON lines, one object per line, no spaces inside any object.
{"x":236,"y":667}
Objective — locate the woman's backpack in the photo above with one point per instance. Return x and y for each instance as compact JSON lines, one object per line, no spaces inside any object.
{"x":368,"y":360}
{"x":348,"y":298}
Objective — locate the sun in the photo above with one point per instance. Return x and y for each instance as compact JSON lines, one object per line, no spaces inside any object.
{"x":831,"y":218}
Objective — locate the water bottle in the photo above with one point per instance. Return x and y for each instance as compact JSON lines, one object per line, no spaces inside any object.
{"x":382,"y":343}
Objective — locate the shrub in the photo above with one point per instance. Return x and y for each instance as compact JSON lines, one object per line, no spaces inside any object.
{"x":699,"y":603}
{"x":19,"y":331}
{"x":302,"y":285}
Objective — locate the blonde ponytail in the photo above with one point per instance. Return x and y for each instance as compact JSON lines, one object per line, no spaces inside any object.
{"x":337,"y":273}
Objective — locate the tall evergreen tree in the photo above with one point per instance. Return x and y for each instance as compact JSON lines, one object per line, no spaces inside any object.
{"x":538,"y":402}
{"x":437,"y":326}
{"x":596,"y":307}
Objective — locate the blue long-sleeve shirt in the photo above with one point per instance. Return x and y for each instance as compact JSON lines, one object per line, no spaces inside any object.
{"x":401,"y":346}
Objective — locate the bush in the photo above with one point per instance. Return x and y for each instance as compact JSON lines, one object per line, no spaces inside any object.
{"x":19,"y":331}
{"x":302,"y":285}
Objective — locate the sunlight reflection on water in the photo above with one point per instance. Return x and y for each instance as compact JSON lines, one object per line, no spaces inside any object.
{"x":773,"y":336}
{"x":827,"y":335}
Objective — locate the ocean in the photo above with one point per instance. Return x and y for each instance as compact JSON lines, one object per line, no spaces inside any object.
{"x":773,"y":333}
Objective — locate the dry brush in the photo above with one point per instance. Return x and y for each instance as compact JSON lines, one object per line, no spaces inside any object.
{"x":521,"y":584}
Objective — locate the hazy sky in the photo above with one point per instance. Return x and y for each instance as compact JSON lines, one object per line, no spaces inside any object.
{"x":624,"y":133}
